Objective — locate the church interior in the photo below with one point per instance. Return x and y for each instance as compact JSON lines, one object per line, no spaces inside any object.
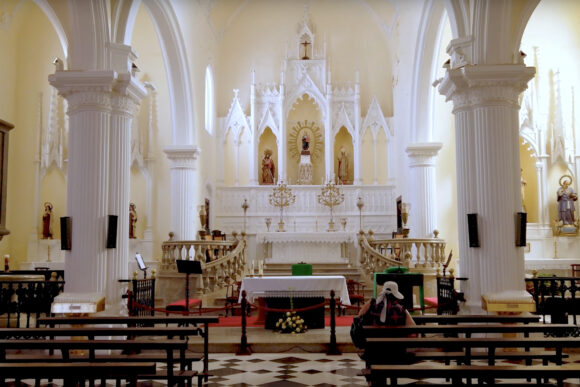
{"x":272,"y":139}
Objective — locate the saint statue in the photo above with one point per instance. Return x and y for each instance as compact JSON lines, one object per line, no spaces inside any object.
{"x":268,"y":168}
{"x":305,"y":142}
{"x":566,"y":198}
{"x":343,"y":166}
{"x":47,"y":221}
{"x":132,"y":221}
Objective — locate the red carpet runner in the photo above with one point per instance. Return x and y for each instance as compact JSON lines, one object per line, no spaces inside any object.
{"x":236,"y":321}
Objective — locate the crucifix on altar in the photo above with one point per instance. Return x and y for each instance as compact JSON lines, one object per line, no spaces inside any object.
{"x":305,"y":44}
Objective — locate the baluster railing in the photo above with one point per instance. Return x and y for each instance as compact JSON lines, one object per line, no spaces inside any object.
{"x":222,"y":262}
{"x":378,"y":254}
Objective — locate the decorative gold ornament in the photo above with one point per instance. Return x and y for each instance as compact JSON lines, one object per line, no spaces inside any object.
{"x":281,"y":197}
{"x":331,"y":197}
{"x":314,"y":135}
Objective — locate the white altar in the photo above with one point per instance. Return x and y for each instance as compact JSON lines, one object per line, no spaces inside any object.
{"x":256,"y":287}
{"x":308,"y":247}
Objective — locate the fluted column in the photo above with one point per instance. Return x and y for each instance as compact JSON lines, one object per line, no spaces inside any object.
{"x":485,"y":104}
{"x":184,"y":202}
{"x":89,"y":109}
{"x":422,"y":164}
{"x":124,"y":105}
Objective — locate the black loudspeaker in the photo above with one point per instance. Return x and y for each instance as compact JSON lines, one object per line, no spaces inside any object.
{"x":65,"y":233}
{"x":472,"y":229}
{"x":521,"y":222}
{"x":112,"y":232}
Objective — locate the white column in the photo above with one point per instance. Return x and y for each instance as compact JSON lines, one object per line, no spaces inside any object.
{"x":375,"y":160}
{"x":543,"y":198}
{"x":356,"y":139}
{"x":422,"y":164}
{"x":124,"y":106}
{"x":328,"y":139}
{"x":184,"y":219}
{"x":89,"y":109}
{"x":254,"y":136}
{"x":485,"y":101}
{"x":282,"y":138}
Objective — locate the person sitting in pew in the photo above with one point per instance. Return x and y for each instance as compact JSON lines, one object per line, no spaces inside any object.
{"x":385,"y":310}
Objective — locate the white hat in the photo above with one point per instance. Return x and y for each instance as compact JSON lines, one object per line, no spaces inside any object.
{"x":391,"y":287}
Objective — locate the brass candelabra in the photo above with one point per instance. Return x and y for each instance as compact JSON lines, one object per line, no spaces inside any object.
{"x":331,"y":197}
{"x":281,"y":197}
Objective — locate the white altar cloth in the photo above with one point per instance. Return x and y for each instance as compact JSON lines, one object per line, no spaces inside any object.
{"x":259,"y":286}
{"x":308,"y":247}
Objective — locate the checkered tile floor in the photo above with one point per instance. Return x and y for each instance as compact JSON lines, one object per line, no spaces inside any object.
{"x":294,"y":370}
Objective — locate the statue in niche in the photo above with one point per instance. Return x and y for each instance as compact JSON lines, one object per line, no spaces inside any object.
{"x":268,"y":168}
{"x":305,"y":142}
{"x":47,"y":221}
{"x":343,"y":166}
{"x":132,"y":221}
{"x":566,"y":198}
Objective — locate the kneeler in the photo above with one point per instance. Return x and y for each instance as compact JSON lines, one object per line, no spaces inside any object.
{"x":179,"y":306}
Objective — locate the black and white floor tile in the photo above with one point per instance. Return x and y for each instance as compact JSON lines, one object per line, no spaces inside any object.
{"x":292,"y":370}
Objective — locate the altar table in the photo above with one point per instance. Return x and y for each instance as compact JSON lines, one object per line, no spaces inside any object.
{"x":312,"y":286}
{"x":304,"y":290}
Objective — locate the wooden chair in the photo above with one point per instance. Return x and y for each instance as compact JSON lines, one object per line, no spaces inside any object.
{"x":356,"y":293}
{"x":232,"y":296}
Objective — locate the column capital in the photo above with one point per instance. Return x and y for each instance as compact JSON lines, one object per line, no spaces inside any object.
{"x":485,"y":85}
{"x":423,"y":154}
{"x":182,"y":156}
{"x":92,"y":90}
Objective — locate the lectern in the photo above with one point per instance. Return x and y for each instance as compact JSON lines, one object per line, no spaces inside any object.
{"x":188,"y":267}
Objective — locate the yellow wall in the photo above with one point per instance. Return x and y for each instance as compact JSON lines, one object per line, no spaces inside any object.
{"x":31,"y":46}
{"x":367,"y":153}
{"x":382,"y":157}
{"x":530,"y":190}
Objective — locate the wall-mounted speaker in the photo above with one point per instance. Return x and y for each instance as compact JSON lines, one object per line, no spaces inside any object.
{"x":521,"y":223}
{"x":65,"y":233}
{"x":112,"y":232}
{"x":472,"y":230}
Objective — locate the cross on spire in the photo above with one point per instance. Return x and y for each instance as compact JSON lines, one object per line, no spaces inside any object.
{"x":305,"y":44}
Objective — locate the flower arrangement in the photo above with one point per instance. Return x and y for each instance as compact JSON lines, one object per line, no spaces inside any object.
{"x":291,"y":323}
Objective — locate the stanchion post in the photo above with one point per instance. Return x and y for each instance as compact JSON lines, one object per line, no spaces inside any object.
{"x":244,"y":348}
{"x":332,"y":348}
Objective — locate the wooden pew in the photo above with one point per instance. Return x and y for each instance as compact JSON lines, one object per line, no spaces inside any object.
{"x":91,"y":346}
{"x":378,"y":374}
{"x":73,"y":373}
{"x":474,"y":318}
{"x":375,"y":346}
{"x":467,"y":330}
{"x":186,"y":358}
{"x":143,"y":321}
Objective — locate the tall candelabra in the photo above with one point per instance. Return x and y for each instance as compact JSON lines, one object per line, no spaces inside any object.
{"x":331,"y":197}
{"x":245,"y":207}
{"x":360,"y":204}
{"x":281,"y":197}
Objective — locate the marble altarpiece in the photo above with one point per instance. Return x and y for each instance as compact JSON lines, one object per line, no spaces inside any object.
{"x":304,"y":123}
